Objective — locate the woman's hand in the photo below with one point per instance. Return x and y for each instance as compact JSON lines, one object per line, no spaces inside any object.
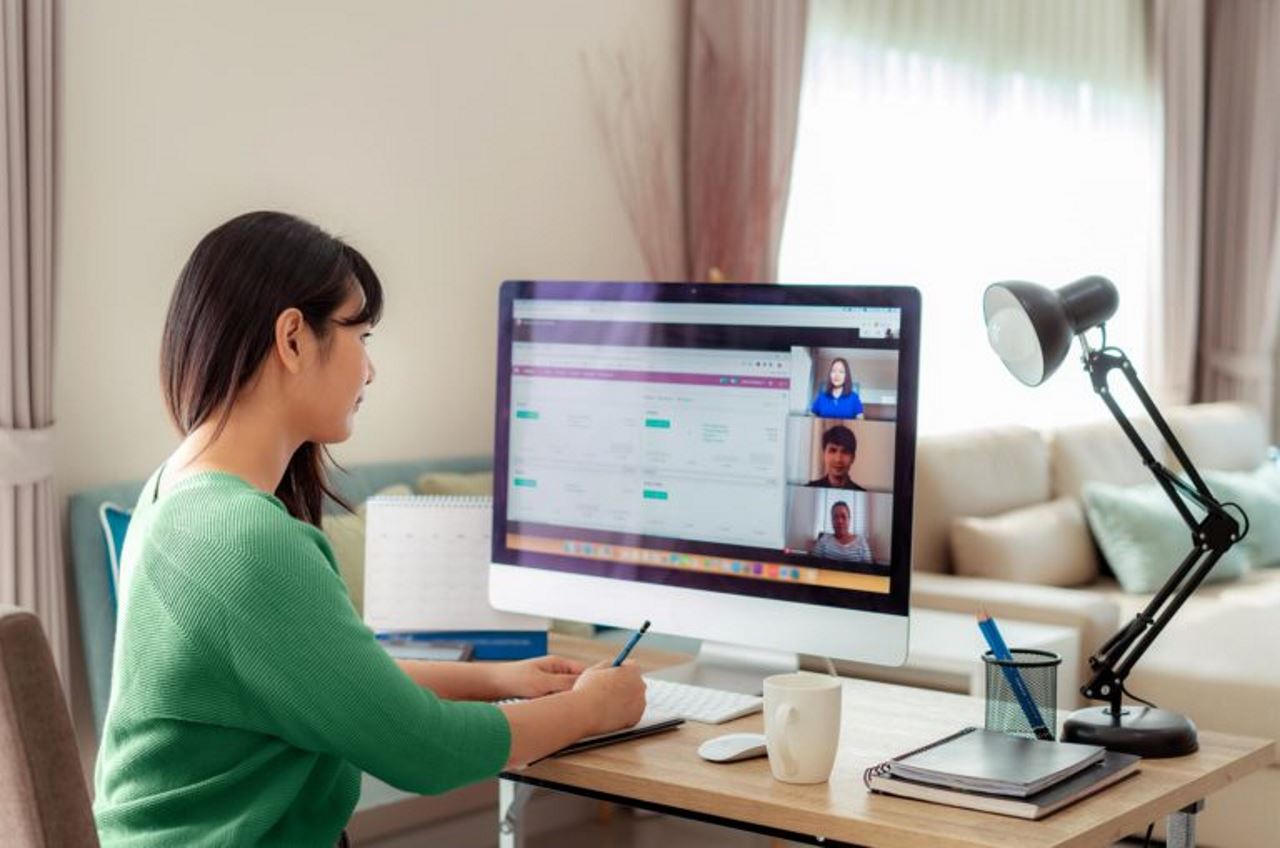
{"x":602,"y":699}
{"x":615,"y":696}
{"x":536,"y":677}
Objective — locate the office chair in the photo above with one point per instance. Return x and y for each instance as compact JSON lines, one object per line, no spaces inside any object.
{"x":44,"y":801}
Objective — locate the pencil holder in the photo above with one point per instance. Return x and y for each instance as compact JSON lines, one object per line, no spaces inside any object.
{"x":1007,"y":710}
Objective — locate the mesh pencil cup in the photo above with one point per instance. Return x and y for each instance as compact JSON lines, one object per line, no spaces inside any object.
{"x":1039,"y":673}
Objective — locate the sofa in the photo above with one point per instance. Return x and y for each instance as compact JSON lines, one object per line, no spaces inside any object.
{"x":1218,"y":661}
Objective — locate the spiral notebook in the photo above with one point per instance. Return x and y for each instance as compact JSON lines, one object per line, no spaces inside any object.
{"x":427,"y":568}
{"x":1000,"y":773}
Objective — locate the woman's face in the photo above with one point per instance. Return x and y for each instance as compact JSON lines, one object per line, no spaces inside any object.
{"x":837,"y":374}
{"x":337,"y":375}
{"x":840,"y":521}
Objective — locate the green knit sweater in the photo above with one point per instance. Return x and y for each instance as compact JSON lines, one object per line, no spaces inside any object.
{"x":247,"y":696}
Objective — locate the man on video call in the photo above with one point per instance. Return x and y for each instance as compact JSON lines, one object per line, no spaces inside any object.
{"x":839,"y":449}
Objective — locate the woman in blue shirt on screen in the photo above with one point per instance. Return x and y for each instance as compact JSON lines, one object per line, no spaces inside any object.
{"x":837,"y":398}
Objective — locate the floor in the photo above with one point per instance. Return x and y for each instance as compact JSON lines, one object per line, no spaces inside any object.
{"x":624,"y":828}
{"x":628,"y":831}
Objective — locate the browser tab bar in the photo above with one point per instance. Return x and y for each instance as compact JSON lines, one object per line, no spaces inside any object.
{"x":871,"y":321}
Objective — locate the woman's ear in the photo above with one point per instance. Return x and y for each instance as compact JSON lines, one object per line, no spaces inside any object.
{"x":290,"y":328}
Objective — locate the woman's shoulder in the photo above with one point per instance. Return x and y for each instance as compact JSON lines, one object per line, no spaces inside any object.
{"x":236,"y":541}
{"x":224,"y":512}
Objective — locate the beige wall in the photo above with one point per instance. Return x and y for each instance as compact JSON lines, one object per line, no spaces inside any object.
{"x":453,"y":142}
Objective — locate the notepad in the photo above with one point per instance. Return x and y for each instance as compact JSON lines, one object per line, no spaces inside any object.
{"x":980,"y":760}
{"x":1113,"y":768}
{"x":652,"y":721}
{"x":994,"y":772}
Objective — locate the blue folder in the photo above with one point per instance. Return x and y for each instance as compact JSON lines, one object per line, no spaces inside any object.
{"x":485,"y":644}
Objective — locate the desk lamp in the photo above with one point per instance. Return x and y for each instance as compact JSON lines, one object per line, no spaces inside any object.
{"x":1030,"y":328}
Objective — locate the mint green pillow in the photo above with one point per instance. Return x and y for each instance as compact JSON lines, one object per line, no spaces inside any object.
{"x":1258,"y":493}
{"x":1143,"y":538}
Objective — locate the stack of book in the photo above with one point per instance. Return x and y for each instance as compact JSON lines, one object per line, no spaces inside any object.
{"x":1000,"y":773}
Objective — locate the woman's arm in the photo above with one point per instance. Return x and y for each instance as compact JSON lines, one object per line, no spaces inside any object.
{"x":554,"y":717}
{"x":605,"y":698}
{"x":462,"y":681}
{"x":454,"y":681}
{"x":318,"y":679}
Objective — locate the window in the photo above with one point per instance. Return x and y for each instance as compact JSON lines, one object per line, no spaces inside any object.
{"x":954,"y":143}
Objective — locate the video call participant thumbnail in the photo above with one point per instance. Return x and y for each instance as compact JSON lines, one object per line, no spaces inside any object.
{"x":841,"y":544}
{"x":839,"y":450}
{"x":836,"y":398}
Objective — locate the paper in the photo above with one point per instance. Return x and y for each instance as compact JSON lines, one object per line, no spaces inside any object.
{"x":427,"y":566}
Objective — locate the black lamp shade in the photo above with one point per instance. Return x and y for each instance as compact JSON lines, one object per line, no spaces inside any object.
{"x":1030,"y":327}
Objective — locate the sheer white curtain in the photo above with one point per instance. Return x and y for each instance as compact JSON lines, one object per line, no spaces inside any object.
{"x":948,"y":144}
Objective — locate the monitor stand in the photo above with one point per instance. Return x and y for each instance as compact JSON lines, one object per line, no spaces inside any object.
{"x":734,"y":668}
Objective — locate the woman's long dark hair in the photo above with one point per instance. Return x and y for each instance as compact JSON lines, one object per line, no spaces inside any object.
{"x":222,"y":319}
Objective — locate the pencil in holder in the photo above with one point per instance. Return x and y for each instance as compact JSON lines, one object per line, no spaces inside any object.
{"x":1007,"y":710}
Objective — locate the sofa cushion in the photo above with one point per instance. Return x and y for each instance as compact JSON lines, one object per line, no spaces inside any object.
{"x":1222,"y":436}
{"x":455,"y":483}
{"x":1143,"y":537}
{"x":1257,"y":492}
{"x":1216,"y":659}
{"x":982,"y":473}
{"x":1047,"y":543}
{"x":1100,"y":450}
{"x":1095,"y":615}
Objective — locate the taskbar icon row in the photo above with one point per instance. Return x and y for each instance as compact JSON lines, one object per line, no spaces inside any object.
{"x":779,"y":572}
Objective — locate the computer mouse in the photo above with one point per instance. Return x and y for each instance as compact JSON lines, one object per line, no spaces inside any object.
{"x":732,"y":747}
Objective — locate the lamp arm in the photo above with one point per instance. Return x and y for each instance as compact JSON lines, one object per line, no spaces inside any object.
{"x":1211,"y":536}
{"x":1100,"y":364}
{"x":1185,"y":588}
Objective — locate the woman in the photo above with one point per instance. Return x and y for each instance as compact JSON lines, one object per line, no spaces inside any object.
{"x":842,"y":544}
{"x":837,"y":399}
{"x":247,"y":694}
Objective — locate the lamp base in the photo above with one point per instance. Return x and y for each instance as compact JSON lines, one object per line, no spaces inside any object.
{"x":1145,"y":731}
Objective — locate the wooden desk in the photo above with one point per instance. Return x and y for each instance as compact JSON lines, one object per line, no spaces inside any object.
{"x":664,"y":773}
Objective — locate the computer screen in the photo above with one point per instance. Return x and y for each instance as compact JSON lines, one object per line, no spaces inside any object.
{"x":706,"y":442}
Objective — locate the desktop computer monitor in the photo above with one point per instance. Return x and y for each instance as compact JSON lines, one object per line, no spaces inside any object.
{"x":732,"y":462}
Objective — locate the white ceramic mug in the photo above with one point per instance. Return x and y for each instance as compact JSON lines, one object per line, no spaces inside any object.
{"x":802,"y":725}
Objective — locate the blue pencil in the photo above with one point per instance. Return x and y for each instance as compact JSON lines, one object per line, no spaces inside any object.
{"x":631,"y":643}
{"x":1000,"y":650}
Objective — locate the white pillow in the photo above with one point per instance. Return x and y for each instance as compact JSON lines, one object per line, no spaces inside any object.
{"x":1047,"y":543}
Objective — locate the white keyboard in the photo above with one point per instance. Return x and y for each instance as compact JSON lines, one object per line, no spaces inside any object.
{"x":699,"y":703}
